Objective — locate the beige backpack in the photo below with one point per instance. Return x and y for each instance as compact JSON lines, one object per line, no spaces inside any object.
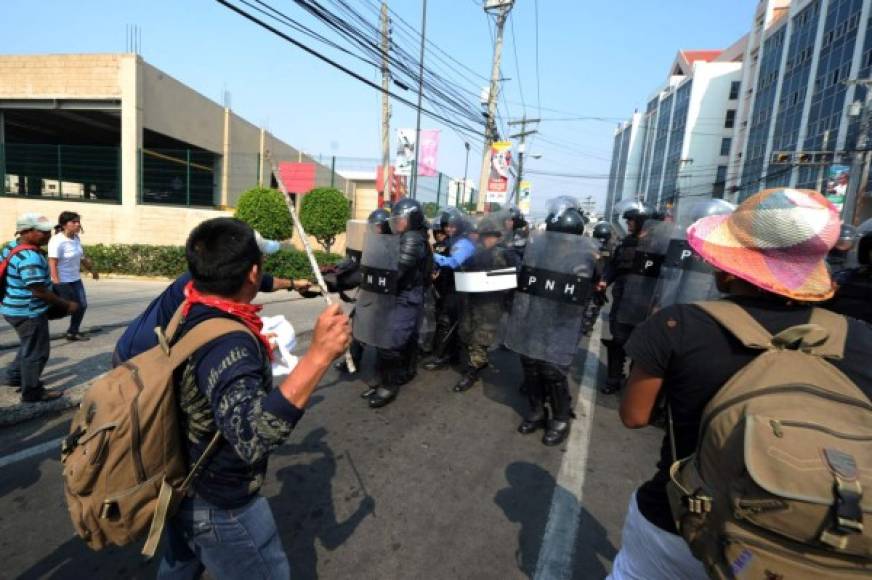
{"x":124,"y":466}
{"x":780,"y":486}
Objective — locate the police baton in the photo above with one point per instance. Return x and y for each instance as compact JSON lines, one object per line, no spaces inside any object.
{"x":298,"y":225}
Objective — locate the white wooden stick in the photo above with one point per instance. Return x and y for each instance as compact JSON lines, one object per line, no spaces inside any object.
{"x":298,"y":225}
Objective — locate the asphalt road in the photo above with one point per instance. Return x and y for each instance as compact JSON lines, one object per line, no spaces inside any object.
{"x":436,"y":485}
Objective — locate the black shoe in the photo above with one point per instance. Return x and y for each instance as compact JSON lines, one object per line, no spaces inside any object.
{"x":368,"y":393}
{"x":556,"y":433}
{"x":381,"y":397}
{"x":437,"y":363}
{"x":76,"y":336}
{"x":612,"y":386}
{"x":467,"y":382}
{"x":41,"y":396}
{"x":531,"y":426}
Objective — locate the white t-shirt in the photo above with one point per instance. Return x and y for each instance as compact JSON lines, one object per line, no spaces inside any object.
{"x":69,"y":255}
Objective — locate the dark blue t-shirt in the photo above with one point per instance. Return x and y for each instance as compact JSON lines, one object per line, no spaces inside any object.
{"x":140,"y":336}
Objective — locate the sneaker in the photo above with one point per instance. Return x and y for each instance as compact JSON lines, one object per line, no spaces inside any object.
{"x":76,"y":337}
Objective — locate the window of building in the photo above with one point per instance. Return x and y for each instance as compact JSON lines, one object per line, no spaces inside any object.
{"x":730,"y":120}
{"x":734,"y":89}
{"x":720,"y":182}
{"x":726,"y":143}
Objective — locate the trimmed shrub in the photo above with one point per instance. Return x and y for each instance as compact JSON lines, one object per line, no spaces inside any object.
{"x":431,"y":209}
{"x":324,"y":213}
{"x":169,"y":261}
{"x":265,"y":210}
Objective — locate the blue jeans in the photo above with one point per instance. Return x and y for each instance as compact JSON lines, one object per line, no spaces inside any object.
{"x":233,"y":544}
{"x":74,"y":291}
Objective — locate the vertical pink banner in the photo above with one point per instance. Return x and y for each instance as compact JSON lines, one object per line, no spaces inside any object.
{"x":428,"y":153}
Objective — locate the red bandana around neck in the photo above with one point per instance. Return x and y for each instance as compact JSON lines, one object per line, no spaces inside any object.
{"x":246,"y":313}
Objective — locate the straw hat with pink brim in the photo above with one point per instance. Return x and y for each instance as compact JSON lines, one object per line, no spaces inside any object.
{"x":777,"y":240}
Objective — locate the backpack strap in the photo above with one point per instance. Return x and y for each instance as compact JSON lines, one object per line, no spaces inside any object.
{"x":741,"y":324}
{"x":824,"y":335}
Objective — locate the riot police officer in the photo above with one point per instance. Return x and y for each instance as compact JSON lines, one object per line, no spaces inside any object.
{"x":617,"y":271}
{"x":602,"y":233}
{"x":545,"y":324}
{"x":460,"y":249}
{"x":397,"y":365}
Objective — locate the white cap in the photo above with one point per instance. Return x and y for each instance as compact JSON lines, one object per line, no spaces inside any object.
{"x":266,"y":246}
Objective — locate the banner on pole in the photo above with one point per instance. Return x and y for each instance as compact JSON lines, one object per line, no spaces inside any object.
{"x":498,"y":180}
{"x":428,"y":153}
{"x":524,"y":201}
{"x":405,"y":156}
{"x":837,"y":184}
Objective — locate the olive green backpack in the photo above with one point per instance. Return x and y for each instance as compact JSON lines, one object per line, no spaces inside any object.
{"x":780,"y":485}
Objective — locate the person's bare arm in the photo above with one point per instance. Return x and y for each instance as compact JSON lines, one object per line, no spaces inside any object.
{"x":89,"y":266}
{"x":49,"y":297}
{"x":639,"y":399}
{"x":53,"y":270}
{"x":331,"y":338}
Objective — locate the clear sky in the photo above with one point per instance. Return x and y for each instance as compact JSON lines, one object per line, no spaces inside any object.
{"x":598,"y":59}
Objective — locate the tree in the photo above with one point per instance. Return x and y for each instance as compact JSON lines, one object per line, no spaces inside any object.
{"x":324,"y":213}
{"x":265,"y":211}
{"x":431,"y":209}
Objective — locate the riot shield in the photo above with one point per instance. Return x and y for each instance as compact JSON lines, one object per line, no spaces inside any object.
{"x":483,"y":287}
{"x":377,"y":298}
{"x":355,"y":234}
{"x":641,"y":282}
{"x":685,"y":277}
{"x":554,"y":285}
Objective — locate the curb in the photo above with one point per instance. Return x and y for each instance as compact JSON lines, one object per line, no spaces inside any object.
{"x":21,"y":412}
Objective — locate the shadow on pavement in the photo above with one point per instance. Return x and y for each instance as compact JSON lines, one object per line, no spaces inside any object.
{"x":527,"y":501}
{"x":26,"y":473}
{"x":306,"y":507}
{"x":73,"y":559}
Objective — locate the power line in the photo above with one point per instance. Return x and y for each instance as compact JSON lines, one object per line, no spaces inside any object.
{"x":517,"y":61}
{"x":341,"y":67}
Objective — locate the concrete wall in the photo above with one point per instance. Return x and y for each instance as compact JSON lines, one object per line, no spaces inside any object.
{"x":113,"y":224}
{"x":68,"y":76}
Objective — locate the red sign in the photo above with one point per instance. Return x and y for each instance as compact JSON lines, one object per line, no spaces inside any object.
{"x":297,"y":177}
{"x":398,"y":184}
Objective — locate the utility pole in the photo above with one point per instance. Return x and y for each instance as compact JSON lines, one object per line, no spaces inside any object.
{"x":859,"y":157}
{"x":414,"y":188}
{"x":465,"y":166}
{"x":820,"y":180}
{"x":386,"y":104}
{"x":521,"y":150}
{"x":502,"y":9}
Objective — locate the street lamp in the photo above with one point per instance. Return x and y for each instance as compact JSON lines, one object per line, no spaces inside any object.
{"x":520,"y":176}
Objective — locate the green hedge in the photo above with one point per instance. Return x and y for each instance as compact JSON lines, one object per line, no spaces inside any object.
{"x":169,"y":261}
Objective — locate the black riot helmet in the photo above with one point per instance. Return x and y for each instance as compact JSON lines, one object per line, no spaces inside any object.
{"x":568,"y":221}
{"x":451,"y":216}
{"x":518,"y":220}
{"x":602,"y":231}
{"x":639,"y":214}
{"x":411,"y":210}
{"x":380,"y":218}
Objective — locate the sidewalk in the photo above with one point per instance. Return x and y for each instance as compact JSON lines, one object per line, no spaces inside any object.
{"x":113,"y":303}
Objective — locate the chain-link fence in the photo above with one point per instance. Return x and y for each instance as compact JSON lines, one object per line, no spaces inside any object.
{"x":72,"y":172}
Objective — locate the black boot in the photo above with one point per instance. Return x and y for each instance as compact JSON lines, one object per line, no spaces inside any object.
{"x":382,"y":397}
{"x":437,"y":362}
{"x":616,"y":359}
{"x":536,"y":419}
{"x":556,"y":433}
{"x":557,"y":393}
{"x":468,"y":380}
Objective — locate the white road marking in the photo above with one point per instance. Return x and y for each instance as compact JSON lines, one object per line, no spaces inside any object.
{"x":54,"y":445}
{"x":558,"y":543}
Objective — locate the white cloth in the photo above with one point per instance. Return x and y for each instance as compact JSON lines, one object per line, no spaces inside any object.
{"x":649,"y":553}
{"x":68,"y":252}
{"x":285,"y":340}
